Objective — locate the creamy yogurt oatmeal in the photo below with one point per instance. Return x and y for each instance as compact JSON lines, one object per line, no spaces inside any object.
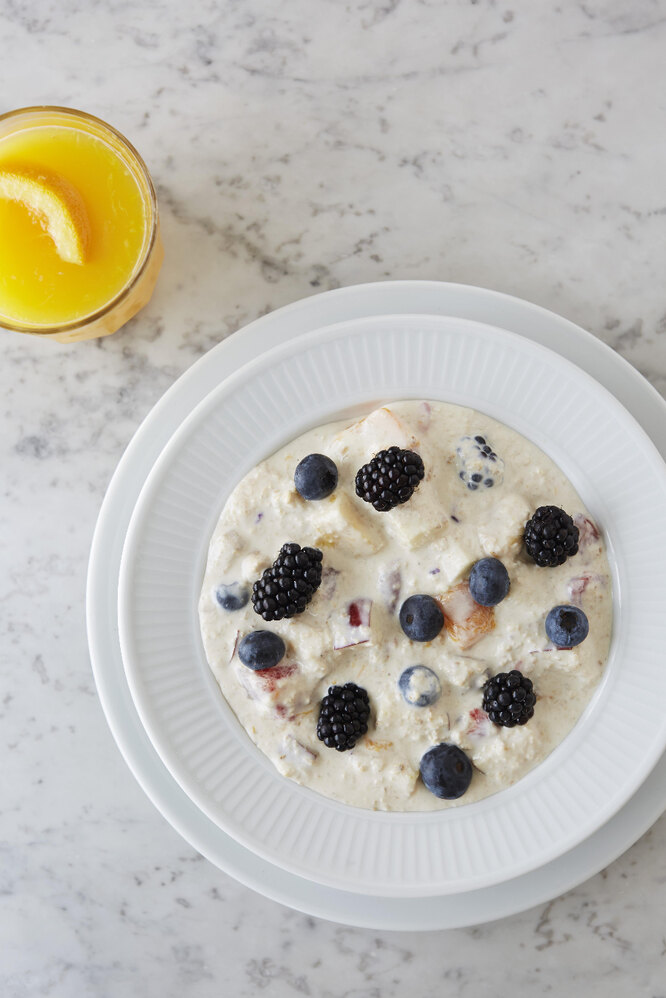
{"x":481,"y":484}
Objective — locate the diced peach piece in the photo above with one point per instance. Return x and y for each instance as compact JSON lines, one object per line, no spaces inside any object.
{"x":343,"y":524}
{"x":503,"y":531}
{"x":454,"y":561}
{"x":379,"y":429}
{"x":465,"y":621}
{"x":418,"y":522}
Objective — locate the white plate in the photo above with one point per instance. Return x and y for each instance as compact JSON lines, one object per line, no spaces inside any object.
{"x":601,"y":449}
{"x":446,"y":912}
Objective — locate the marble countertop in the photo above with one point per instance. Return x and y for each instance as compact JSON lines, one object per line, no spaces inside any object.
{"x":300,"y":146}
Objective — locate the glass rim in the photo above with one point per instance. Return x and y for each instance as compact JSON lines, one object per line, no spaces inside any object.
{"x":75,"y":324}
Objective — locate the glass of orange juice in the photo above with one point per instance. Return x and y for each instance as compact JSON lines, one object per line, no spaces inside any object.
{"x":80,"y":246}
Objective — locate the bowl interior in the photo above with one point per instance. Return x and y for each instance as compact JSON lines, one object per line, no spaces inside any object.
{"x":352,"y":367}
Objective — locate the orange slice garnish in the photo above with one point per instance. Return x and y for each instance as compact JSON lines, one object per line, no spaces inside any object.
{"x":57,"y":206}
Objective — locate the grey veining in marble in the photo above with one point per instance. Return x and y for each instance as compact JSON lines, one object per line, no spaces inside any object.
{"x":298,"y":146}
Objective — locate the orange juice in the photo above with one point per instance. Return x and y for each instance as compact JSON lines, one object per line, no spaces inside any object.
{"x":79,"y":236}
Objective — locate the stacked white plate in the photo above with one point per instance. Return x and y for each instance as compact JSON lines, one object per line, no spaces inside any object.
{"x":339,"y":352}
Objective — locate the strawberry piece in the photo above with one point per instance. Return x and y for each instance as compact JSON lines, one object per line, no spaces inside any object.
{"x":268,"y":679}
{"x":235,"y":647}
{"x":305,"y":750}
{"x":577,"y":586}
{"x":299,"y":755}
{"x":359,"y":613}
{"x":329,"y":582}
{"x":351,"y":624}
{"x":465,"y":621}
{"x":273,"y":690}
{"x":425,"y":417}
{"x":588,"y":532}
{"x":479,"y":723}
{"x":390,"y":584}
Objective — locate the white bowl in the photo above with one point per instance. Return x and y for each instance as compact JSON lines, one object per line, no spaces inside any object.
{"x":351,"y":366}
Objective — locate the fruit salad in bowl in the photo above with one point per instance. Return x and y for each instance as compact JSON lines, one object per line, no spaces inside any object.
{"x":407,"y":611}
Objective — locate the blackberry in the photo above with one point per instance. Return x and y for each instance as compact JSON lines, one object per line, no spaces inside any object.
{"x":551,"y":536}
{"x":287,"y":587}
{"x":508,"y":699}
{"x":390,"y":478}
{"x":343,"y":716}
{"x":478,"y":465}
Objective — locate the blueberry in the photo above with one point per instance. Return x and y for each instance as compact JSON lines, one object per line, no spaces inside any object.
{"x":566,"y":626}
{"x":421,"y":618}
{"x":316,"y":476}
{"x":488,"y":582}
{"x":446,"y":771}
{"x":419,"y":686}
{"x":233,"y":596}
{"x":261,"y":650}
